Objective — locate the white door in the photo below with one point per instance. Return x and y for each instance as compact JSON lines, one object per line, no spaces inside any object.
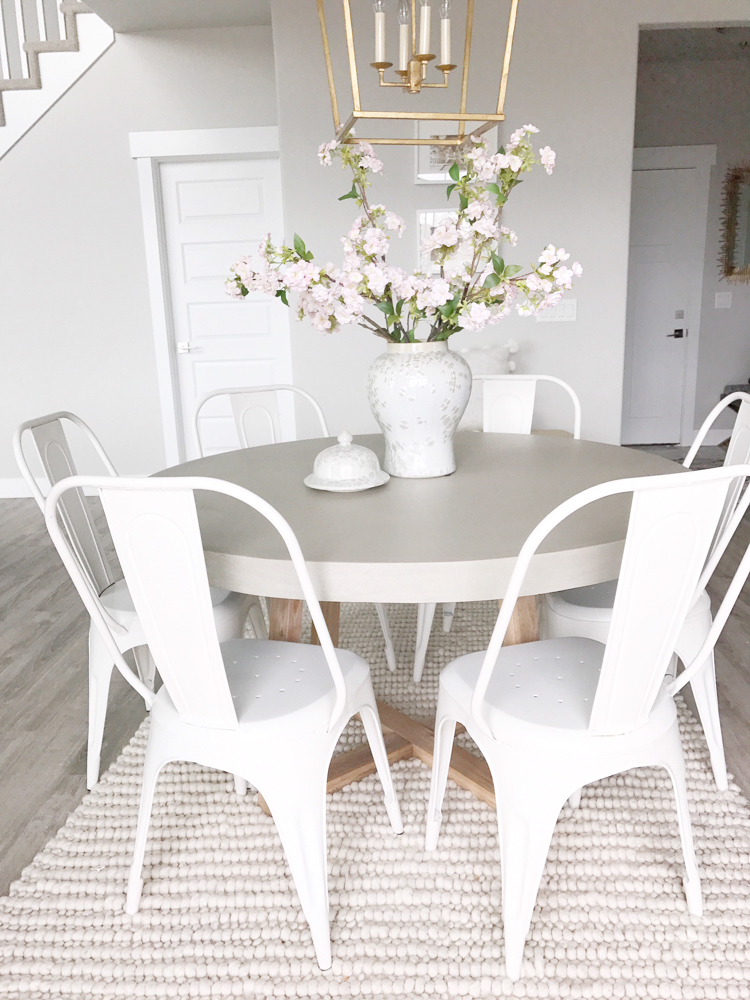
{"x":659,"y":304}
{"x":214,"y":212}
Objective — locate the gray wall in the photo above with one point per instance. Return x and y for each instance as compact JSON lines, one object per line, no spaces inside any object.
{"x":75,"y":323}
{"x":695,"y":103}
{"x":573,"y":75}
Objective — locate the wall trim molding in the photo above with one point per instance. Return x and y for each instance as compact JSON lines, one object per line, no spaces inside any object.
{"x":701,"y":159}
{"x":205,"y":142}
{"x":149,"y":149}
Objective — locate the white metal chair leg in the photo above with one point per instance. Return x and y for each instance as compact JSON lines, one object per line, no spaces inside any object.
{"x":449,"y":611}
{"x":257,"y":619}
{"x":425,"y":615}
{"x":526,"y":821}
{"x":144,"y":663}
{"x":575,"y":799}
{"x":151,"y":768}
{"x":298,"y":805}
{"x":371,"y":722}
{"x":390,"y":652}
{"x":703,"y":686}
{"x":692,"y":881}
{"x":445,"y":731}
{"x":100,"y":674}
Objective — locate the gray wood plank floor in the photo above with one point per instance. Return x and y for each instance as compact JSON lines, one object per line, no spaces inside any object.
{"x":43,"y":688}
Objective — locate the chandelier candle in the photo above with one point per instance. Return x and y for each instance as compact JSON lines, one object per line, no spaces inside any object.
{"x":425,"y":17}
{"x":379,"y":8}
{"x":404,"y":36}
{"x":445,"y":33}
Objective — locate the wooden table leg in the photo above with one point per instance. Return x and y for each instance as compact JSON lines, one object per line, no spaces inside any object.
{"x":332,"y":614}
{"x":404,"y":737}
{"x":524,"y":623}
{"x":286,"y":619}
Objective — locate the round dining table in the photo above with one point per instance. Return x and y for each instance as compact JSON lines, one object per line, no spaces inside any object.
{"x":450,"y":539}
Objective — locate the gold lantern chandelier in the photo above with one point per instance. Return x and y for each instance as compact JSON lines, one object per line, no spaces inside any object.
{"x":414,"y":74}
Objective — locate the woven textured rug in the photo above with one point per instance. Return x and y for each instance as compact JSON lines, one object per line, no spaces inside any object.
{"x":220,"y":917}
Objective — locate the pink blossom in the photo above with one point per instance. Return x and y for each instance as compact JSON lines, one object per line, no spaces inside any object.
{"x":232,"y":288}
{"x":377,"y":278}
{"x":476,"y":316}
{"x":577,"y":269}
{"x":564,"y":277}
{"x":301,"y":275}
{"x":375,"y":242}
{"x":368,"y":159}
{"x":324,"y":152}
{"x":547,"y":157}
{"x":435,"y":292}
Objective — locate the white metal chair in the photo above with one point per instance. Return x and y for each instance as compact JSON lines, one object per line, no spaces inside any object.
{"x":261,"y":403}
{"x":270,"y":712}
{"x":230,"y":610}
{"x":587,"y":611}
{"x":258,"y":407}
{"x":554,"y":715}
{"x":508,"y":408}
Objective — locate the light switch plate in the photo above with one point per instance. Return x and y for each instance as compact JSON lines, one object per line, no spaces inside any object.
{"x":723,"y":300}
{"x":564,"y":312}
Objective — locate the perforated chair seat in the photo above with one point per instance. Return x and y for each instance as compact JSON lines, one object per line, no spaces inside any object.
{"x":281,"y":683}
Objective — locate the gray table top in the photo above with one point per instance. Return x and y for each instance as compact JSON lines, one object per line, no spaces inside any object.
{"x":417,"y":540}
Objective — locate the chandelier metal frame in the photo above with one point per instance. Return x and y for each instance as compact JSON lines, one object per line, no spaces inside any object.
{"x":413,"y":81}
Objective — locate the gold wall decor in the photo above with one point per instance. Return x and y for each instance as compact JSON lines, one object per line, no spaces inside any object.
{"x":734,"y":258}
{"x":413,"y":72}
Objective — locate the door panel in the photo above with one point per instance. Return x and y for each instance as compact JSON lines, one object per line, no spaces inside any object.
{"x":659,"y":303}
{"x":214,"y":212}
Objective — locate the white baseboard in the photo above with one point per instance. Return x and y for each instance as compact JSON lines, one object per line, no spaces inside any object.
{"x":15,"y":489}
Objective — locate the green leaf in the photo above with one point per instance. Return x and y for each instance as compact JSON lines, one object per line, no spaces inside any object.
{"x":399,"y":306}
{"x":501,"y":199}
{"x":385,"y":307}
{"x":512,"y":269}
{"x":492,"y":280}
{"x":463,"y":201}
{"x":350,"y":194}
{"x":299,"y":247}
{"x":454,"y":173}
{"x":448,"y":310}
{"x":493,"y":188}
{"x":498,"y":263}
{"x":449,"y":190}
{"x":281,"y":294}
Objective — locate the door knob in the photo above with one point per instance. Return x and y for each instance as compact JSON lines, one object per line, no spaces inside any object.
{"x":184,"y":347}
{"x":678,"y":334}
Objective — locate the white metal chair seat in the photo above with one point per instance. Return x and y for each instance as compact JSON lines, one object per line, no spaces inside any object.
{"x":587,"y":611}
{"x":231,"y":610}
{"x":286,"y":685}
{"x":551,"y":683}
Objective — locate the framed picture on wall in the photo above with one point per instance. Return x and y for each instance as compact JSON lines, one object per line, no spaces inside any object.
{"x":432,"y":163}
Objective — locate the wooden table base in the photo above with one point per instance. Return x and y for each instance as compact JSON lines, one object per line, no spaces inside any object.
{"x":404,"y":737}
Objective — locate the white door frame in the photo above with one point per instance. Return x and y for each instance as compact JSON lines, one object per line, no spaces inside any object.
{"x":149,"y":149}
{"x":700,"y":158}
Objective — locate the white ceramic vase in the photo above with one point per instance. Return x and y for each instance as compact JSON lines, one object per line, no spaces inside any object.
{"x":418,"y":393}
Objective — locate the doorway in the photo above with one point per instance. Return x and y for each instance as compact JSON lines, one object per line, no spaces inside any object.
{"x":208,"y":198}
{"x":665,"y":277}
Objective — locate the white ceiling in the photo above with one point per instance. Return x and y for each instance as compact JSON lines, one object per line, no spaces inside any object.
{"x":151,"y":15}
{"x":674,"y":44}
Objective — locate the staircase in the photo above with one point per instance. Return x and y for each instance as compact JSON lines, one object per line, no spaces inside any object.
{"x":43,"y":51}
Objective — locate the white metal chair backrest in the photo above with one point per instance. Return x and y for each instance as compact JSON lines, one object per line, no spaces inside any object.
{"x":738,"y":453}
{"x":53,"y":450}
{"x":673,"y":520}
{"x":154,"y":526}
{"x":508,"y":402}
{"x":256,"y":406}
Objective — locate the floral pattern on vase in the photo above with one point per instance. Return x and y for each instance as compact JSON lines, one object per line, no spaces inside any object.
{"x":418,"y":393}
